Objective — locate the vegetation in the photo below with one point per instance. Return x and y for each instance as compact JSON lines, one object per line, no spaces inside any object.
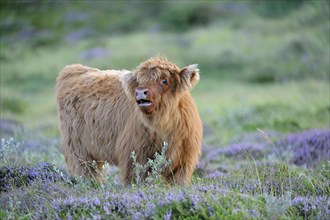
{"x":263,"y":97}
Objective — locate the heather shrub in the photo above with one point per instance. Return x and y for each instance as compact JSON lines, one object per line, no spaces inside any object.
{"x":310,"y":207}
{"x":309,"y":147}
{"x":15,"y":177}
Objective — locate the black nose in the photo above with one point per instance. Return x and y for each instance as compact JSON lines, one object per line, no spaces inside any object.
{"x":141,"y":93}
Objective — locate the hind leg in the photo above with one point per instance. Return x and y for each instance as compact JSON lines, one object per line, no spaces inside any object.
{"x":99,"y":177}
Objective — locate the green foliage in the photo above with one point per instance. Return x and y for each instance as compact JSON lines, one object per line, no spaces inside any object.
{"x":13,"y":104}
{"x":153,"y":168}
{"x":182,"y":17}
{"x":275,"y":9}
{"x":294,"y":59}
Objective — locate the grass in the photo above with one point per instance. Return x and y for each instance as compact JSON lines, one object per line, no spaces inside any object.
{"x":263,"y":97}
{"x":231,"y":108}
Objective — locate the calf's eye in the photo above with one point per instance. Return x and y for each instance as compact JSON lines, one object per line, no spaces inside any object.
{"x":164,"y":81}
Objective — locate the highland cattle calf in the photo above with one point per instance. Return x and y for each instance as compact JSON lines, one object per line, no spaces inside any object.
{"x":106,"y":115}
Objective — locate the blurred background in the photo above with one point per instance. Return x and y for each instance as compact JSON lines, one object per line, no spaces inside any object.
{"x":264,"y":64}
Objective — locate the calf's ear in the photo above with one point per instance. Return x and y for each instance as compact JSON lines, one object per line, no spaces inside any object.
{"x":128,"y":81}
{"x":189,"y":76}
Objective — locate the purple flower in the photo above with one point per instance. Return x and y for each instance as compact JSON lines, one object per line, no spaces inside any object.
{"x":161,"y":202}
{"x":96,"y":201}
{"x":168,"y":215}
{"x":137,"y":215}
{"x":106,"y":210}
{"x":69,"y":201}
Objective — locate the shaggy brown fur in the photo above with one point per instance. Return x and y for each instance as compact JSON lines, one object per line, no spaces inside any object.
{"x":105,"y":115}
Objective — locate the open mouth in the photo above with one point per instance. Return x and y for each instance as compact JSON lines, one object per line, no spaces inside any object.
{"x":144,"y":102}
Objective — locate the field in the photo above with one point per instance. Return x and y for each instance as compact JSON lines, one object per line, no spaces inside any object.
{"x":263,"y":96}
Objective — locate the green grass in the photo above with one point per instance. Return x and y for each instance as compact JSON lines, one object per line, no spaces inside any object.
{"x":232,"y":108}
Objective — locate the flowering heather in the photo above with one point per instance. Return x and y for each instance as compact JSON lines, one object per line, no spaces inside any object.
{"x":317,"y":207}
{"x":308,"y":147}
{"x":154,"y":203}
{"x":303,"y":148}
{"x":200,"y":200}
{"x":23,"y":176}
{"x":257,"y":189}
{"x":244,"y":150}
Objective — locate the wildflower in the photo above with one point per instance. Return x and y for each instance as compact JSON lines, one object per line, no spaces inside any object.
{"x":168,"y":215}
{"x":96,"y":202}
{"x":106,"y":210}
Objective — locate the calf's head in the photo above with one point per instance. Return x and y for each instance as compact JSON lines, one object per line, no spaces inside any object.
{"x":157,"y":84}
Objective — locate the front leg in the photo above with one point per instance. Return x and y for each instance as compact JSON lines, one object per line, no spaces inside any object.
{"x":179,"y":175}
{"x":184,"y":156}
{"x":183,"y":175}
